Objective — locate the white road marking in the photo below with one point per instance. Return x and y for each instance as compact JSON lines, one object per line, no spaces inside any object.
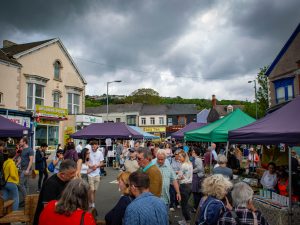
{"x":114,"y":182}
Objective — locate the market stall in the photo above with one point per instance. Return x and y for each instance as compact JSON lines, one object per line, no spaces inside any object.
{"x":179,"y":135}
{"x":11,"y":129}
{"x":146,"y":136}
{"x":107,"y":130}
{"x":218,"y":130}
{"x":282,"y":127}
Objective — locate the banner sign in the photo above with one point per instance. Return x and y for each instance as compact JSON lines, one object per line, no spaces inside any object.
{"x":50,"y":112}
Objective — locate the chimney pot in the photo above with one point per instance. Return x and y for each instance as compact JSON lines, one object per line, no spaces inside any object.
{"x":214,"y":101}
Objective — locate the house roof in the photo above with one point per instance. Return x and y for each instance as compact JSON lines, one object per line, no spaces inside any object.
{"x":5,"y":58}
{"x":182,"y":109}
{"x":143,"y":109}
{"x":118,"y":108}
{"x":283,"y":50}
{"x":222,"y":109}
{"x":18,"y":50}
{"x":219,"y":111}
{"x":154,"y":110}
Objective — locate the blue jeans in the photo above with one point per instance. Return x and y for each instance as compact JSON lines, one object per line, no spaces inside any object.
{"x":10,"y":191}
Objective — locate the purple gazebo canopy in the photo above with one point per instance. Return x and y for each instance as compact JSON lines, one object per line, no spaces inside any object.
{"x":10,"y":129}
{"x":107,"y":130}
{"x":191,"y":126}
{"x":281,"y":126}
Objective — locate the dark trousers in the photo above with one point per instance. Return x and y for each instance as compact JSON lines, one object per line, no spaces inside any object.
{"x":42,"y":173}
{"x":173,"y":200}
{"x":185,"y":192}
{"x":197,"y":197}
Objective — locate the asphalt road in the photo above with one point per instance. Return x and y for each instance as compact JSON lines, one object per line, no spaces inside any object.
{"x":108,"y":195}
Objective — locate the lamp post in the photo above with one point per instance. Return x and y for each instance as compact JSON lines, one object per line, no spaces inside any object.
{"x":250,"y":81}
{"x":107,"y":83}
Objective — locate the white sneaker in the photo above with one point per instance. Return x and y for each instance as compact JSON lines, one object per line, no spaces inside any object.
{"x":172,"y":209}
{"x":182,"y":222}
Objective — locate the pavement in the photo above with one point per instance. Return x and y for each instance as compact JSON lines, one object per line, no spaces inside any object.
{"x":108,"y":195}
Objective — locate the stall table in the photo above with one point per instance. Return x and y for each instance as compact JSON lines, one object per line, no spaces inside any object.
{"x":276,"y":215}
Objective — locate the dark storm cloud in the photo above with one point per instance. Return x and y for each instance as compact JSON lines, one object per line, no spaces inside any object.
{"x":154,"y":43}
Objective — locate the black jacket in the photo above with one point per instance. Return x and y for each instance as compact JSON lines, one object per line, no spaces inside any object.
{"x":40,"y":161}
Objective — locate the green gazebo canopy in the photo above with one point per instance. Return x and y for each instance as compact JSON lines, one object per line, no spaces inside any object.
{"x":218,"y":130}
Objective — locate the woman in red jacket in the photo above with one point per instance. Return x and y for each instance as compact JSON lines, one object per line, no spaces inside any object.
{"x":71,"y":208}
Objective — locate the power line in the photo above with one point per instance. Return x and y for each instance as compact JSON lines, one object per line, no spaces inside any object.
{"x":148,"y":72}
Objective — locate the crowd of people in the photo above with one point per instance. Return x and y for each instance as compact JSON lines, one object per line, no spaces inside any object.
{"x":154,"y":180}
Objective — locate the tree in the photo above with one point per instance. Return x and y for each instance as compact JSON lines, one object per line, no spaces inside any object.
{"x":262,"y":92}
{"x":144,"y":95}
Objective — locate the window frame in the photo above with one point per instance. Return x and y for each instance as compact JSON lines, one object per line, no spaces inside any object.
{"x":54,"y":100}
{"x":34,"y":97}
{"x":182,"y":117}
{"x":55,"y":68}
{"x":143,"y":120}
{"x":152,"y":120}
{"x":161,"y":120}
{"x":284,"y":83}
{"x":73,"y":105}
{"x":1,"y":98}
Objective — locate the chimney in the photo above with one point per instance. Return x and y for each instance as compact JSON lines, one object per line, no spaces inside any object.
{"x":7,"y":43}
{"x":213,"y":101}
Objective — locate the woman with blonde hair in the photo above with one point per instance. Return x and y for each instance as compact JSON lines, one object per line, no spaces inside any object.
{"x":185,"y":177}
{"x":215,"y":188}
{"x":116,"y":215}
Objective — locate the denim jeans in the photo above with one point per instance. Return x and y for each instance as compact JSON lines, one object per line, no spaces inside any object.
{"x":185,"y":192}
{"x":23,"y":183}
{"x":10,"y":191}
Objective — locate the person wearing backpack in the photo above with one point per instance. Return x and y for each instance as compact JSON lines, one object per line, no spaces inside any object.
{"x":211,"y":207}
{"x":11,"y":180}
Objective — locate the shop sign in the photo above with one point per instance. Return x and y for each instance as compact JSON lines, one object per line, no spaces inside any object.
{"x":67,"y":132}
{"x":23,"y":121}
{"x":88,"y":119}
{"x":50,"y":112}
{"x":174,"y":128}
{"x":47,"y":122}
{"x":154,"y":129}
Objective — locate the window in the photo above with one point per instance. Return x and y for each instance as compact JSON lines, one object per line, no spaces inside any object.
{"x":46,"y":134}
{"x":35,"y":95}
{"x":143,"y":121}
{"x":1,"y":98}
{"x":56,"y":97}
{"x":170,"y":121}
{"x":152,"y":120}
{"x":57,"y":69}
{"x":131,"y":120}
{"x":161,"y":120}
{"x":118,"y":120}
{"x":181,"y":120}
{"x":284,"y":89}
{"x":73,"y":103}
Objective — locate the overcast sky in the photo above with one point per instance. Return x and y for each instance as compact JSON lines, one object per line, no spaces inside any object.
{"x":191,"y":49}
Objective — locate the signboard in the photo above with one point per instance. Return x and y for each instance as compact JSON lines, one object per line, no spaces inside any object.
{"x":154,"y":129}
{"x":50,"y":112}
{"x":88,"y":119}
{"x":67,"y":132}
{"x":23,"y":121}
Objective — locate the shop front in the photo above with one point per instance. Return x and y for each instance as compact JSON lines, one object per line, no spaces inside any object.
{"x":157,"y":131}
{"x":84,"y":120}
{"x":47,"y":125}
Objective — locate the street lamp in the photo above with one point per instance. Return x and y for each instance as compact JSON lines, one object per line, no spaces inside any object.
{"x":107,"y":83}
{"x":250,"y":81}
